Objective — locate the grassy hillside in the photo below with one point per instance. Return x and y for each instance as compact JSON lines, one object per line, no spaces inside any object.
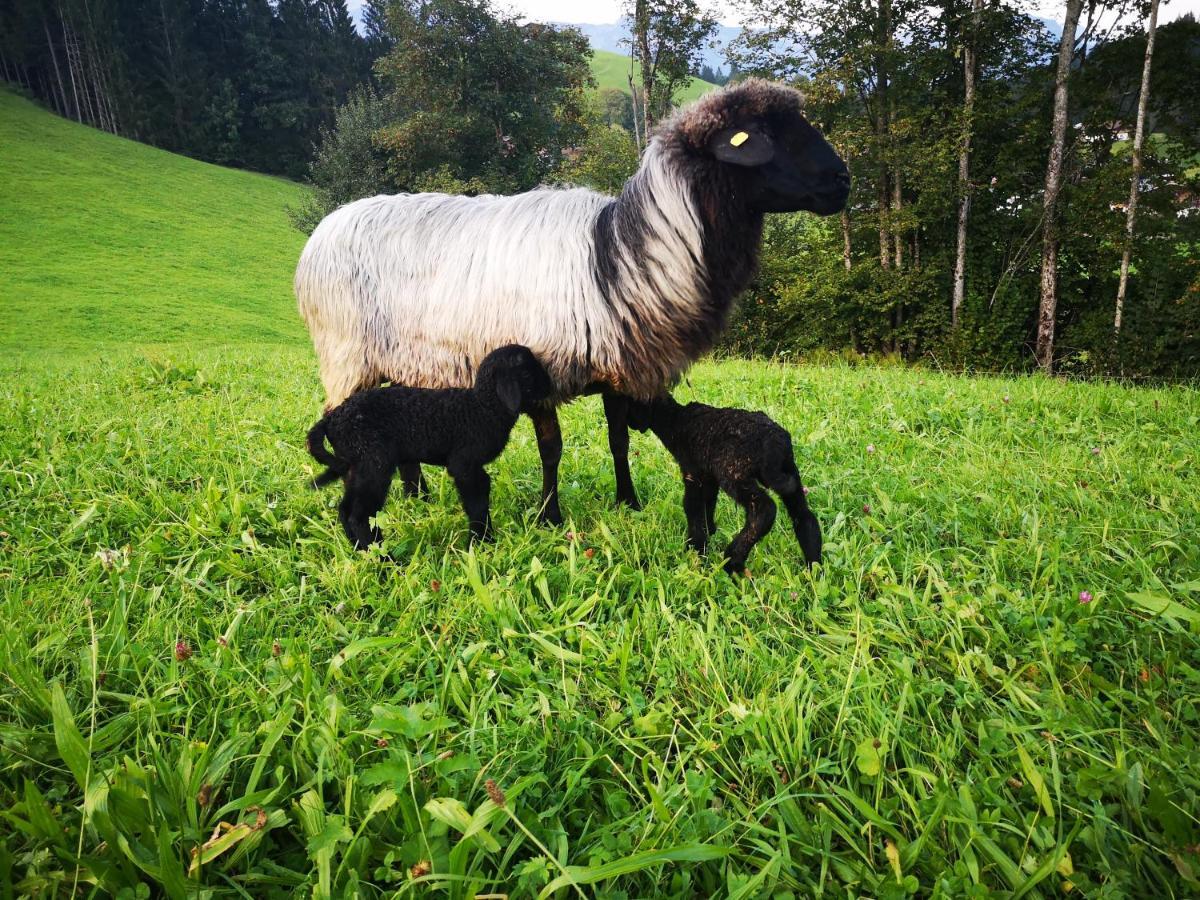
{"x":105,"y":242}
{"x":612,"y":71}
{"x":988,"y":689}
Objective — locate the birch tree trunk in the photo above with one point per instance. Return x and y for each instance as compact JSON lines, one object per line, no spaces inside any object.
{"x":1139,"y":137}
{"x":1048,"y":304}
{"x":964,"y":166}
{"x":642,"y":41}
{"x":897,"y":210}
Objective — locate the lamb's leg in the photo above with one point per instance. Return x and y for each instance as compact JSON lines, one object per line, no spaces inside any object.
{"x":711,"y":490}
{"x":366,"y":492}
{"x":549,"y":441}
{"x":616,"y":411}
{"x":413,"y":480}
{"x":760,"y":516}
{"x":474,"y":488}
{"x":693,"y":508}
{"x":804,"y":523}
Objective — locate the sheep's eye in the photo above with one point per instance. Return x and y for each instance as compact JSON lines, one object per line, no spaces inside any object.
{"x":738,"y":139}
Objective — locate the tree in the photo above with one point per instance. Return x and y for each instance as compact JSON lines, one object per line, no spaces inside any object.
{"x":1050,"y":226}
{"x":1138,"y":139}
{"x":349,"y":162}
{"x":616,"y":108}
{"x":480,"y":97}
{"x":606,"y":159}
{"x":668,"y":37}
{"x":964,"y":165}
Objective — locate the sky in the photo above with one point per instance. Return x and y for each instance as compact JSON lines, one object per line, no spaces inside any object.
{"x":600,"y":12}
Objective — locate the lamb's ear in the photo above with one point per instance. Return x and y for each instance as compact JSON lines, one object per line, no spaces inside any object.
{"x":509,"y":392}
{"x":742,"y":146}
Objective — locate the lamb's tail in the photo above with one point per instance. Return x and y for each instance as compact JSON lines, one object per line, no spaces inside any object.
{"x":316,"y":447}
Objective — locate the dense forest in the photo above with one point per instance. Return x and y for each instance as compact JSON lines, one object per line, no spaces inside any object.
{"x":1020,"y":198}
{"x":245,"y":83}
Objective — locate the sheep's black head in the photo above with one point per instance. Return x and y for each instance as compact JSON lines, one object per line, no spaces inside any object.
{"x":514,"y":373}
{"x":755,"y":131}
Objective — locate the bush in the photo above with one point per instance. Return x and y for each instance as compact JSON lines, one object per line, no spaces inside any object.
{"x":349,"y":162}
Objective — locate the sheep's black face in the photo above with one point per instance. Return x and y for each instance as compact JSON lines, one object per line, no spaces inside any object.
{"x":784,"y":164}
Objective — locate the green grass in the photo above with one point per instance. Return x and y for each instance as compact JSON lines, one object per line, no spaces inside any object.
{"x":106,"y":242}
{"x":612,"y":71}
{"x":204,"y":691}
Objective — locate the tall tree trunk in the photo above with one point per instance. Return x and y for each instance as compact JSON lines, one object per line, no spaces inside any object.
{"x":846,"y":260}
{"x":883,"y":129}
{"x":99,"y":66}
{"x":70,"y":67}
{"x":641,"y":37}
{"x":62,"y":92}
{"x":885,"y":236}
{"x":1058,"y":135}
{"x":897,"y":210}
{"x":637,"y":126}
{"x":964,"y":166}
{"x":1139,"y":136}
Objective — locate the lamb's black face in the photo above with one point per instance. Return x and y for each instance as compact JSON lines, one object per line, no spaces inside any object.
{"x":785,"y":164}
{"x":638,"y":415}
{"x":521,"y":381}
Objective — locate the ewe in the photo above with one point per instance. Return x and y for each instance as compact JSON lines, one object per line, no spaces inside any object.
{"x":614,"y":295}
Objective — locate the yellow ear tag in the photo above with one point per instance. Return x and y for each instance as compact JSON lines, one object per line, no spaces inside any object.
{"x":738,"y":139}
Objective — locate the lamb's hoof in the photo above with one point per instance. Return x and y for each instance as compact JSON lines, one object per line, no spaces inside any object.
{"x":631,"y":501}
{"x":550,"y":517}
{"x":734,"y":570}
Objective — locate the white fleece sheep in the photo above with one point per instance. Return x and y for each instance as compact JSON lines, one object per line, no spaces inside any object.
{"x":619,"y":295}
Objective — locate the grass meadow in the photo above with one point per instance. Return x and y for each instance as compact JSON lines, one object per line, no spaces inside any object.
{"x":989,"y":689}
{"x":612,"y":71}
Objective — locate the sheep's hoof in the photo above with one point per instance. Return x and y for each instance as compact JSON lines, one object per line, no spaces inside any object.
{"x":631,"y":501}
{"x":550,"y":516}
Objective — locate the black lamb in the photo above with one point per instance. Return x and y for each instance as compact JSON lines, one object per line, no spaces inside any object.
{"x":740,"y":453}
{"x":375,"y":432}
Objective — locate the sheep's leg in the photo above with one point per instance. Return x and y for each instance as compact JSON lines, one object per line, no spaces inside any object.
{"x":616,"y":411}
{"x":804,"y":523}
{"x":474,"y":489}
{"x":365,"y":496}
{"x":549,"y":441}
{"x":693,"y":508}
{"x":711,"y":490}
{"x":413,"y":481}
{"x":760,"y":516}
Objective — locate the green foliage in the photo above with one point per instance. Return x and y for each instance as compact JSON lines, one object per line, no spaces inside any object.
{"x":348,"y":163}
{"x":497,"y":119}
{"x":807,"y":300}
{"x":104,"y":242}
{"x":501,"y":113}
{"x":605,"y":160}
{"x":616,"y":108}
{"x":667,"y":45}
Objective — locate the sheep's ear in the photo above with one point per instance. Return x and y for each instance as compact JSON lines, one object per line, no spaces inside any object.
{"x":742,"y":146}
{"x":509,"y":393}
